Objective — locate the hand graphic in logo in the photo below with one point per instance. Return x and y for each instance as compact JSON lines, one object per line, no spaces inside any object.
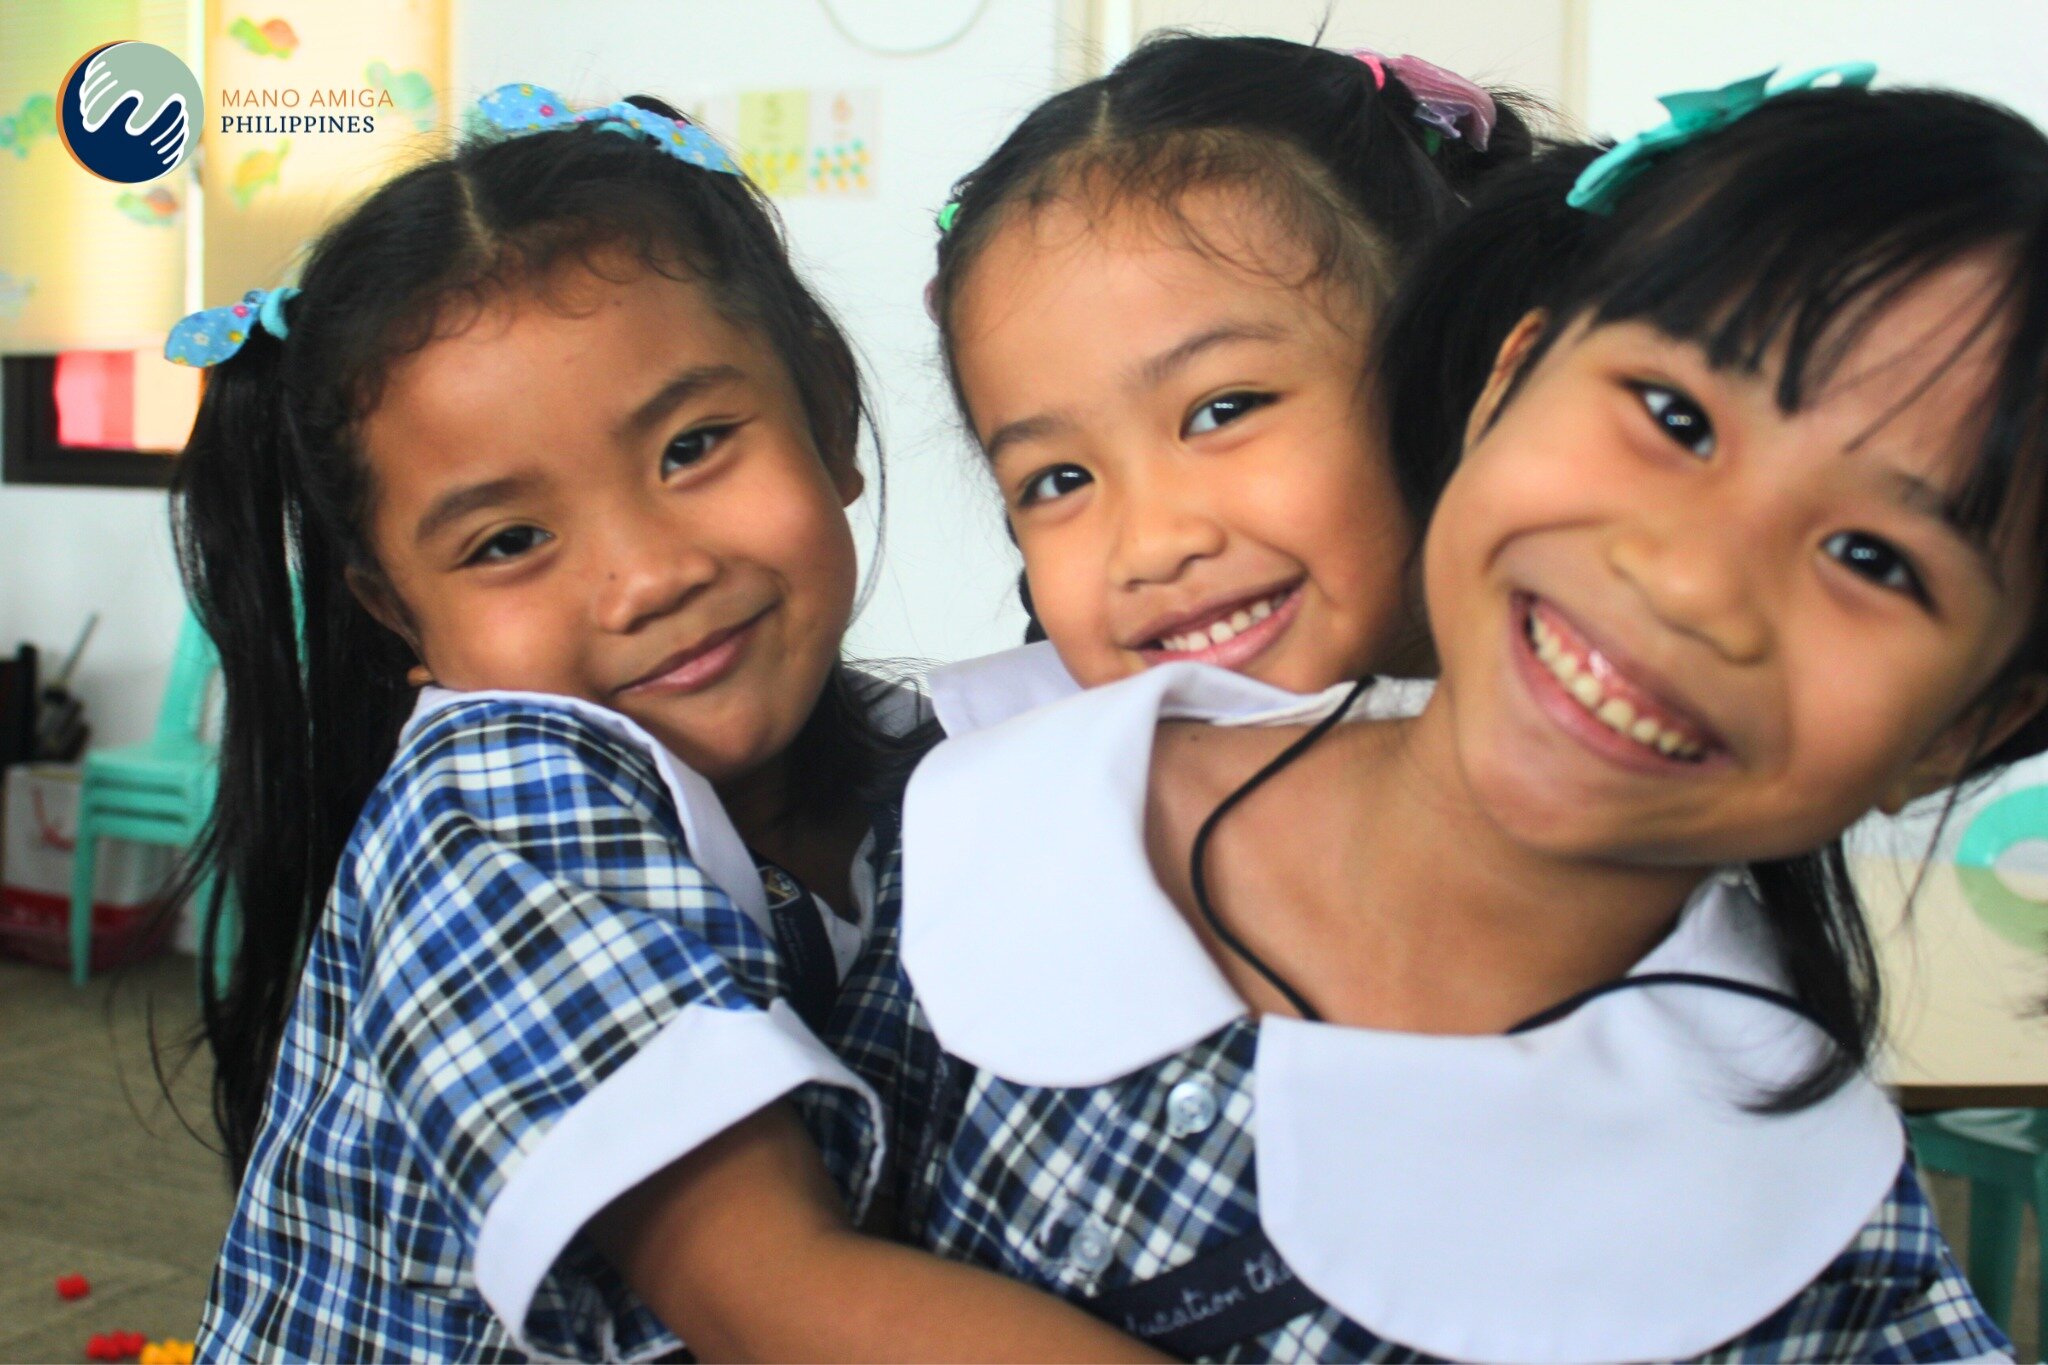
{"x":129,"y":112}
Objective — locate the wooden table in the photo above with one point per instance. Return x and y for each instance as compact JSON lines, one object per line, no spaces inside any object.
{"x":1964,"y":1003}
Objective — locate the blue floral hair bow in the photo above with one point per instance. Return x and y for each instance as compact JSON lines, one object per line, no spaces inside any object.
{"x":530,"y":108}
{"x":212,"y":335}
{"x":1694,"y":113}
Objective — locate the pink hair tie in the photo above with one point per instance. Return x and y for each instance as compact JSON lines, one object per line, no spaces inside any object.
{"x":1444,"y":100}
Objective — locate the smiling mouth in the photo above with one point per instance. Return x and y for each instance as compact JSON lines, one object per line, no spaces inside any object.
{"x":1622,"y":706}
{"x":699,"y":666}
{"x":1232,"y":635}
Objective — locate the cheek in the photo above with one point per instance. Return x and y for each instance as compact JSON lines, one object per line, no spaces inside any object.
{"x":1068,"y":579}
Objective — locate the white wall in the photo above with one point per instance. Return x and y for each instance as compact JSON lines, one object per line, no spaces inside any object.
{"x":1639,"y":49}
{"x":65,"y":552}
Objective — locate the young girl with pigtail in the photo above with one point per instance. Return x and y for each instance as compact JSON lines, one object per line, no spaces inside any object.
{"x":518,"y":524}
{"x":1532,"y":1022}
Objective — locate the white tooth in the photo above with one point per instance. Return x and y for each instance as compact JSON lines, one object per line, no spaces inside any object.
{"x":1261,"y":610}
{"x":1241,"y":622}
{"x":1688,"y":751}
{"x":1617,"y":714}
{"x":1644,"y":731}
{"x":1566,"y":666}
{"x":1220,"y":632}
{"x":1667,"y":743}
{"x":1546,"y":648}
{"x":1586,"y":690}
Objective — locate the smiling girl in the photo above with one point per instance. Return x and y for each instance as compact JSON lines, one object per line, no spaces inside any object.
{"x":552,"y":433}
{"x":1533,"y":1025}
{"x":1156,"y":300}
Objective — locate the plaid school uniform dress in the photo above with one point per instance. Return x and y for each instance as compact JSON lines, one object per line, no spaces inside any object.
{"x":1138,"y":1195}
{"x":524,"y":996}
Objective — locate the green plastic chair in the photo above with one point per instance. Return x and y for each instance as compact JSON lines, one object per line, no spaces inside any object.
{"x":156,"y":792}
{"x":2003,"y":1153}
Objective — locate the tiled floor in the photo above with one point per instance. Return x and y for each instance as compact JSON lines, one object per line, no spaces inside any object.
{"x":98,"y":1178}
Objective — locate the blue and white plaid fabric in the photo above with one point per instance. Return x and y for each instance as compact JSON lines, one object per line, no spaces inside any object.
{"x":1085,"y":1190}
{"x":513,"y":919}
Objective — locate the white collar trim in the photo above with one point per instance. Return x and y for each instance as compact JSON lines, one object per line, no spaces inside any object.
{"x":1593,"y":1190}
{"x":708,"y":833}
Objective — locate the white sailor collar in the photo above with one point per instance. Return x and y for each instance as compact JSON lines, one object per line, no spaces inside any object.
{"x":1592,"y":1190}
{"x":708,"y":833}
{"x":977,"y":693}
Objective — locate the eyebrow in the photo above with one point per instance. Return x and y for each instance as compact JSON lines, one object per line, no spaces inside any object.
{"x":672,"y":395}
{"x":1160,"y":368}
{"x":460,"y":502}
{"x":1149,"y":373}
{"x":1916,"y":495}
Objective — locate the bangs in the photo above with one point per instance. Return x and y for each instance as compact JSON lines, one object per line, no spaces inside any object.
{"x":1765,"y":259}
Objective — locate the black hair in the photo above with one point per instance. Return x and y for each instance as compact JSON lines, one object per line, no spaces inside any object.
{"x":272,"y":496}
{"x":1340,"y":160}
{"x":1772,"y":244}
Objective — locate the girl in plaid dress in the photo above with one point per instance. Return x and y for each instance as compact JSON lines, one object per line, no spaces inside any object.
{"x":519,"y":528}
{"x":1531,"y":1022}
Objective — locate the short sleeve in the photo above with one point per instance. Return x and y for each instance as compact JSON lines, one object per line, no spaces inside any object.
{"x":558,"y":1003}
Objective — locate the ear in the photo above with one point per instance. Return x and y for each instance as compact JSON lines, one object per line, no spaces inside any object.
{"x":1507,"y":368}
{"x":848,"y":481}
{"x":1946,"y":759}
{"x":375,"y":597}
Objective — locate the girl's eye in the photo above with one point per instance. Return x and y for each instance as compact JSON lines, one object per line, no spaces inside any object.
{"x":510,"y":543}
{"x":1679,"y":418}
{"x":1877,"y":561}
{"x":1056,"y":482}
{"x":691,"y":448}
{"x":1222,"y":411}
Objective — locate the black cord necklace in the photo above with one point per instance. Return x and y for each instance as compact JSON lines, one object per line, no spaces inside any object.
{"x":1196,"y":856}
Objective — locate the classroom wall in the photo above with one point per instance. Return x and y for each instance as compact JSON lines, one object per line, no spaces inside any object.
{"x":67,"y":552}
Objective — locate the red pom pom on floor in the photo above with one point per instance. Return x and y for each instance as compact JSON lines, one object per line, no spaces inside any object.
{"x":73,"y":1286}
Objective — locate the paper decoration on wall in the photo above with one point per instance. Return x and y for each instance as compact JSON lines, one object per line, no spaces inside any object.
{"x":411,"y":91}
{"x":274,"y":38}
{"x":2015,"y":824}
{"x":798,"y":142}
{"x":158,"y":208}
{"x":14,"y":294}
{"x":258,"y":171}
{"x":840,"y":160}
{"x":37,"y":118}
{"x":774,"y":135}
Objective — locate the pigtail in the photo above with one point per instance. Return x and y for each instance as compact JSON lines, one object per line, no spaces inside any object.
{"x":310,"y":718}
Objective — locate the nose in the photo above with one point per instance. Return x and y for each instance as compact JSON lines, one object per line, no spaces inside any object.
{"x":649,"y":569}
{"x":1163,"y":526}
{"x":1698,"y":579}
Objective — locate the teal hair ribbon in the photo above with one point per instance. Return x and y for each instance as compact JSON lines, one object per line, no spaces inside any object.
{"x":1694,"y":113}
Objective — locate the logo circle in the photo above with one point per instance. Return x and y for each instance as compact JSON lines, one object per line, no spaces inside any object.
{"x":128,"y":112}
